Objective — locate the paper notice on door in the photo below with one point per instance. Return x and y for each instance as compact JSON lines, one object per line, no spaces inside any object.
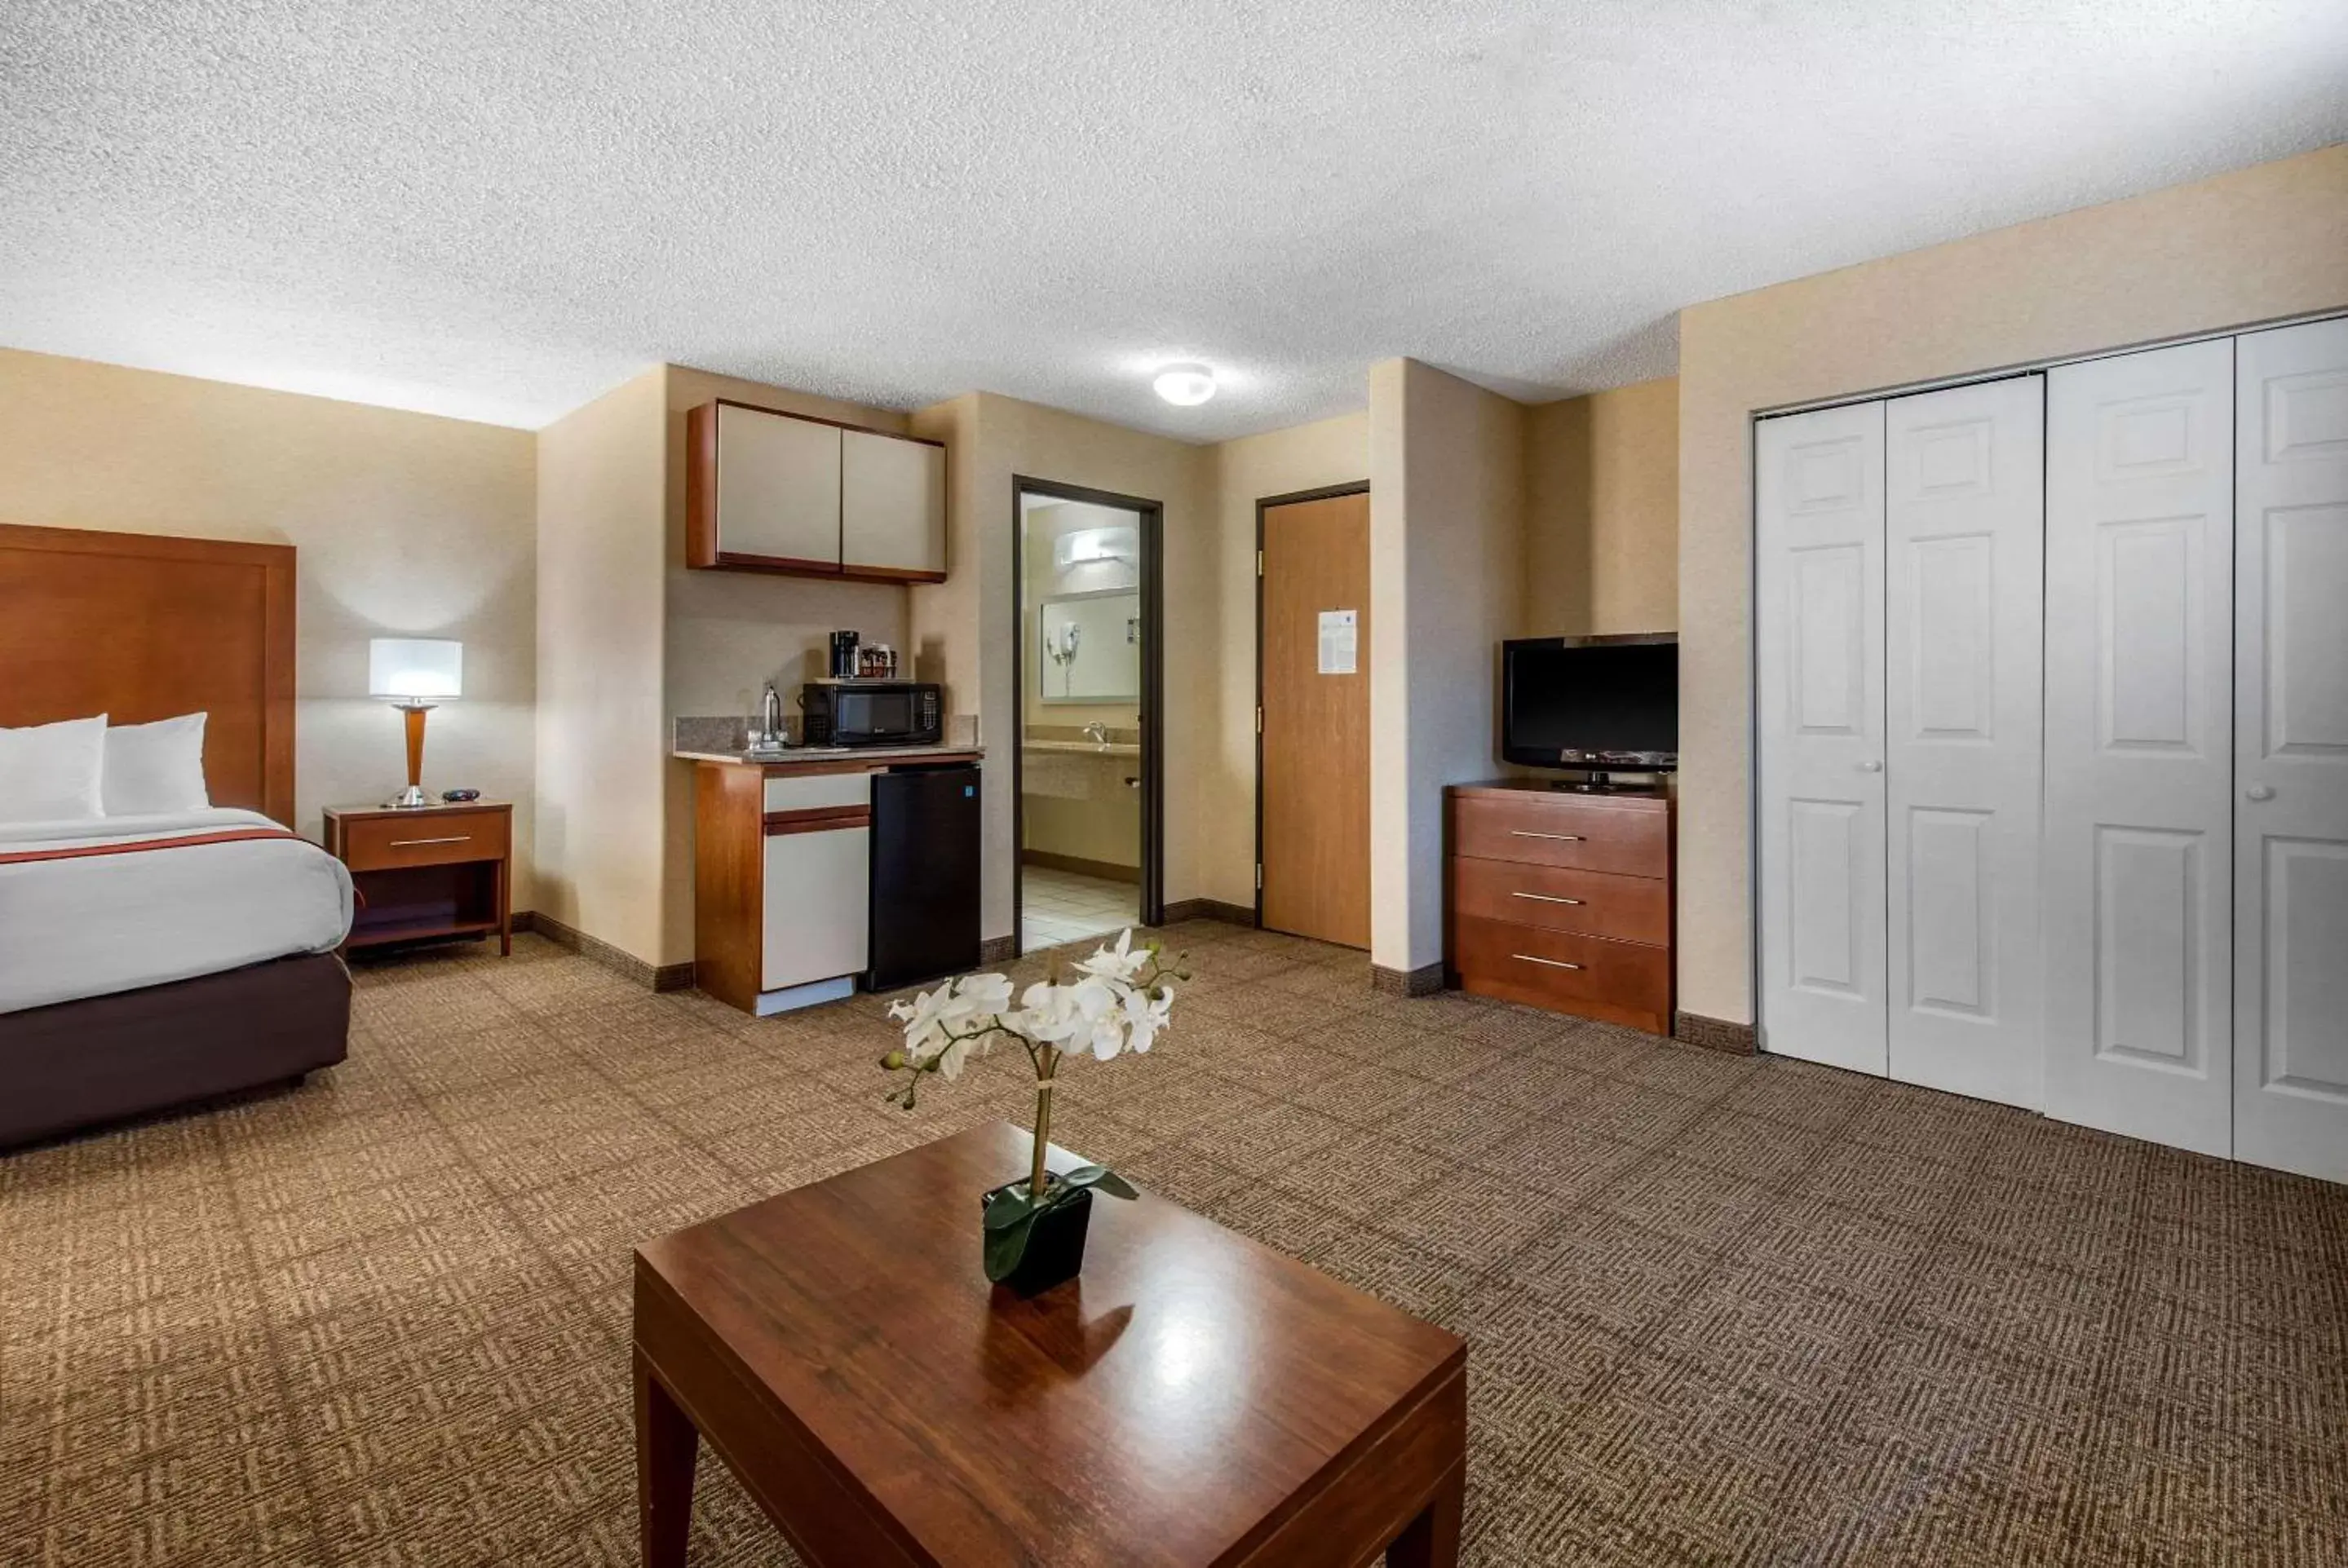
{"x":1340,"y":642}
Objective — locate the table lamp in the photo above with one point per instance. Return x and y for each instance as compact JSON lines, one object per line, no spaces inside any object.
{"x":415,"y":674}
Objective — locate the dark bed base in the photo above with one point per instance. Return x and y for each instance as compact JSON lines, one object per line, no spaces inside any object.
{"x":76,"y":1064}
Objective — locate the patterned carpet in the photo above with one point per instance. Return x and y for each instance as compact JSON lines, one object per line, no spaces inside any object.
{"x":1722,"y":1309}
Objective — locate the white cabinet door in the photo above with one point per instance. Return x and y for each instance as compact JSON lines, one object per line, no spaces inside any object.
{"x":892,"y":505}
{"x":1964,"y":557}
{"x":817,"y":907}
{"x":1818,"y":563}
{"x":2139,"y":744}
{"x":2291,"y":750}
{"x":778,"y":487}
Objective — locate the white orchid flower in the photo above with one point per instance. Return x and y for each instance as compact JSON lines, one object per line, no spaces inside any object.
{"x":1122,"y":962}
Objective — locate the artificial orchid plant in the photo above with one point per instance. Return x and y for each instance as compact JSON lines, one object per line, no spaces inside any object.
{"x":1117,"y":1001}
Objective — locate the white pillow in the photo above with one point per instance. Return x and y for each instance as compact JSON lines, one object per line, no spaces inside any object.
{"x":49,"y":773}
{"x":155,"y":768}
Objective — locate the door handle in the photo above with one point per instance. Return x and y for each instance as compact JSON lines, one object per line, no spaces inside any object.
{"x":2260,"y":792}
{"x":1544,"y":898}
{"x":1545,"y":963}
{"x":1870,"y":767}
{"x":1559,"y":837}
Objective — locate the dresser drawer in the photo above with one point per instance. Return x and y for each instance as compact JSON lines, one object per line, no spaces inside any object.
{"x":1559,"y":898}
{"x":1559,"y":830}
{"x":427,"y":838}
{"x":1627,"y":982}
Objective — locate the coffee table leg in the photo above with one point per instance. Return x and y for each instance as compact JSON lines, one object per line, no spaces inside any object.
{"x":666,"y":1446}
{"x":1432,"y":1540}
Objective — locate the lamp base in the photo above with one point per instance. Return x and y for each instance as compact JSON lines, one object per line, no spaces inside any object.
{"x":413,"y":795}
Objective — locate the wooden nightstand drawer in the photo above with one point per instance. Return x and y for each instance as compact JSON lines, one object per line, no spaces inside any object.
{"x":428,"y":837}
{"x":428,"y":874}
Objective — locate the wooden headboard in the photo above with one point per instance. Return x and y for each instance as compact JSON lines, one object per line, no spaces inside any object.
{"x":146,"y":626}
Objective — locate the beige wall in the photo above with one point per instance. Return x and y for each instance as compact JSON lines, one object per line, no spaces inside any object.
{"x":1446,"y":574}
{"x":406,"y":525}
{"x":602,"y":750}
{"x":1602,"y":512}
{"x":1221,"y":770}
{"x":2250,"y":246}
{"x":966,"y":629}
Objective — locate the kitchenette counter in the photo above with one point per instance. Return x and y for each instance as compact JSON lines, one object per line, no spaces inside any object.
{"x":829,"y":758}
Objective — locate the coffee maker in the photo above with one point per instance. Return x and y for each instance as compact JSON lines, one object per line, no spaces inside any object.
{"x":843,"y":655}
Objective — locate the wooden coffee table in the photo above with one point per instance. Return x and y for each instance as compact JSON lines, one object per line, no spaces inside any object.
{"x":1192,"y":1398}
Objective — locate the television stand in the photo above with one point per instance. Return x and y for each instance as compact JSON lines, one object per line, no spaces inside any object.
{"x":1560,"y":899}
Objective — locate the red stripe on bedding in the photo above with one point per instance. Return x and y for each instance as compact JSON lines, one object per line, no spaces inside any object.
{"x":73,"y":852}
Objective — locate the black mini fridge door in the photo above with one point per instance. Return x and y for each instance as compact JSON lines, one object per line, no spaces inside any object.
{"x":925,"y":842}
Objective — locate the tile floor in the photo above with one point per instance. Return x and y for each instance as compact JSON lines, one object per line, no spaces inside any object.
{"x":1058,"y":906}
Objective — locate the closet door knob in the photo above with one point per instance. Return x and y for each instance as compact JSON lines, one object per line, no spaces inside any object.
{"x":2259,"y":792}
{"x":1870,"y":767}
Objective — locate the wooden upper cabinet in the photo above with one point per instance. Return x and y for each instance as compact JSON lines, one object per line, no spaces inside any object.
{"x":892,"y":517}
{"x":780,"y":492}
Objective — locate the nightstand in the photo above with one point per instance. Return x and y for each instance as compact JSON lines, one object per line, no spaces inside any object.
{"x":426,"y":871}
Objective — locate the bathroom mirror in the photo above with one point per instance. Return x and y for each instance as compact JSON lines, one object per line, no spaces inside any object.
{"x":1091,"y":647}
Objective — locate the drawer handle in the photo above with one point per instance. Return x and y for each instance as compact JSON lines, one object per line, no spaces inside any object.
{"x":1544,"y":898}
{"x":1546,"y":963}
{"x":413,"y":843}
{"x":1560,"y":837}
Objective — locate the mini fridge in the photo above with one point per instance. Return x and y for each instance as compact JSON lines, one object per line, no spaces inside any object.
{"x":924,"y":903}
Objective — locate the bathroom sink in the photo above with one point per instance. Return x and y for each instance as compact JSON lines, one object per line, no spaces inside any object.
{"x":1083,"y":748}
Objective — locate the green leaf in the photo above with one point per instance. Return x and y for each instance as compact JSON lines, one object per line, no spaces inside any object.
{"x":1005,"y":1246}
{"x":1010,"y":1208}
{"x":1100,"y":1176}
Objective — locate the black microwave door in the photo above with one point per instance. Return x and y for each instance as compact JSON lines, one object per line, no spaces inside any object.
{"x":875,"y":715}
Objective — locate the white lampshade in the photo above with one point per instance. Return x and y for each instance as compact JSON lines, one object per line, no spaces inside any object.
{"x":416,"y":669}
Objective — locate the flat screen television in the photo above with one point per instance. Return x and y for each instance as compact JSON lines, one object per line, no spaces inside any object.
{"x":1596,"y":702}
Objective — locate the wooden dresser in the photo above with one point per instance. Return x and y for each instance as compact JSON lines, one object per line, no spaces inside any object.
{"x":1560,"y":899}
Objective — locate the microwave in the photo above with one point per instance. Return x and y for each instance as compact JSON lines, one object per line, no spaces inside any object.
{"x":871,"y":713}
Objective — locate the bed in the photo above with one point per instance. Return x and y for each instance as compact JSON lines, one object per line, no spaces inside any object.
{"x":148,"y":961}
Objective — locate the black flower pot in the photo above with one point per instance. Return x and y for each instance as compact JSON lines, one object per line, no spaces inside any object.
{"x":1055,"y":1249}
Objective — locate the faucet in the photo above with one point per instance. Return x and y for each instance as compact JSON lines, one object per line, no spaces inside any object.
{"x":1098,"y":734}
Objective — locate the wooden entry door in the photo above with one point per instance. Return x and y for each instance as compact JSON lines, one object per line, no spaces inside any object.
{"x":1313,"y":843}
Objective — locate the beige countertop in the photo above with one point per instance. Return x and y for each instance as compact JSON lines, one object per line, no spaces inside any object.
{"x":1082,"y":748}
{"x":808,"y":757}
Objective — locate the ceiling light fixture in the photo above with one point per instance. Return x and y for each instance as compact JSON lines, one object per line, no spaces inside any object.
{"x":1184,"y":385}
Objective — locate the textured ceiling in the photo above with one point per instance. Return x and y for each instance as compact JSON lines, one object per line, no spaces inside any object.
{"x":497,"y":210}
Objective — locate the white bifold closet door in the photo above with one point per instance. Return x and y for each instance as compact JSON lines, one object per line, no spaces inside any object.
{"x":1819,"y":592}
{"x":1898,"y":561}
{"x":2291,"y":750}
{"x":2139,"y":744}
{"x":1964,"y":511}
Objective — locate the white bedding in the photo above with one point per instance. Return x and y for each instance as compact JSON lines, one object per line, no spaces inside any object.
{"x":97,"y":923}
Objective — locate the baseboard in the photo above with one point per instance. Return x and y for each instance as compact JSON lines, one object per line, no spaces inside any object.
{"x":526,"y":920}
{"x":1715,"y":1034}
{"x":651,"y":976}
{"x":1422,"y":982}
{"x":1182,"y":909}
{"x":998,"y":949}
{"x":1076,"y":864}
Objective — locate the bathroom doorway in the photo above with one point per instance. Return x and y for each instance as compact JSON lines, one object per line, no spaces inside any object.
{"x":1086,"y":774}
